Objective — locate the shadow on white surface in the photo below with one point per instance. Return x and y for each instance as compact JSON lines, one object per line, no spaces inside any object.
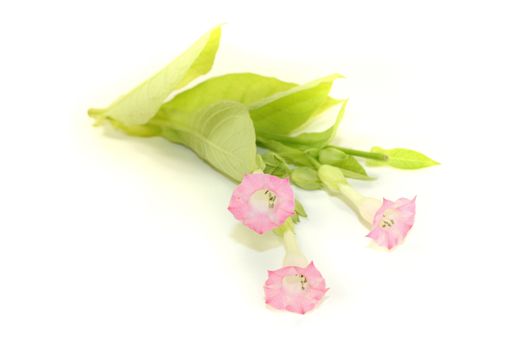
{"x":254,"y":241}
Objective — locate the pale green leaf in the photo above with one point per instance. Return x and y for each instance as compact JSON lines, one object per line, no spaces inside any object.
{"x":312,"y":139}
{"x":142,"y":103}
{"x":402,"y":158}
{"x":271,"y":101}
{"x":284,"y":112}
{"x":221,"y":134}
{"x":246,"y":88}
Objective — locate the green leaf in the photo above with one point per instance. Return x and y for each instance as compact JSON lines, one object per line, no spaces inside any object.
{"x":283,"y":112}
{"x":221,"y":134}
{"x":146,"y":130}
{"x":402,"y":158}
{"x":246,"y":88}
{"x":282,"y":105}
{"x":312,"y":139}
{"x":142,"y":103}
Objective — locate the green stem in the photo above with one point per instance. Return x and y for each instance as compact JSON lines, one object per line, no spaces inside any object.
{"x":314,"y":162}
{"x":362,"y":154}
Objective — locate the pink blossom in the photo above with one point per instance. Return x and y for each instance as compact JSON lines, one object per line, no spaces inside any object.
{"x":262,"y":202}
{"x":294,"y":288}
{"x":393,"y":221}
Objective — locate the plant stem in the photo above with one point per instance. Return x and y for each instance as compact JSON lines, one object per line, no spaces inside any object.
{"x":362,"y":154}
{"x":290,"y":243}
{"x":293,"y":256}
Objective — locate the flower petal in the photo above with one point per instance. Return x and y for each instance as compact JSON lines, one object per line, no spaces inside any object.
{"x":280,"y":295}
{"x":273,"y":213}
{"x":393,"y":221}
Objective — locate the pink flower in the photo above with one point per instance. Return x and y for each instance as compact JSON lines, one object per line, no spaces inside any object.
{"x":393,"y":221}
{"x":293,"y":288}
{"x":262,"y":202}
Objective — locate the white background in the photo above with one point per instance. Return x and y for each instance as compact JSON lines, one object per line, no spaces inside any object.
{"x":113,"y":242}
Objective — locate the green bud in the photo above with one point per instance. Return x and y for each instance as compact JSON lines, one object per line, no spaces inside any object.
{"x":306,"y":178}
{"x":350,"y":163}
{"x":331,"y":156}
{"x":331,"y":177}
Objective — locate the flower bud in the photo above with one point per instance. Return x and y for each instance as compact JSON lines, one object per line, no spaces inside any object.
{"x":306,"y":178}
{"x":331,"y":177}
{"x":331,"y":156}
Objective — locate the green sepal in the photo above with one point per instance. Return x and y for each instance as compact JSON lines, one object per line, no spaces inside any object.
{"x":259,"y":160}
{"x":287,"y":226}
{"x":299,"y":209}
{"x":275,"y":165}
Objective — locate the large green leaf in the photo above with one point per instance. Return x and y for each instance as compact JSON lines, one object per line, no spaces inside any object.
{"x":221,"y":134}
{"x":286,"y":111}
{"x":246,"y":88}
{"x":402,"y":158}
{"x":142,"y":103}
{"x":311,"y":139}
{"x":275,"y":106}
